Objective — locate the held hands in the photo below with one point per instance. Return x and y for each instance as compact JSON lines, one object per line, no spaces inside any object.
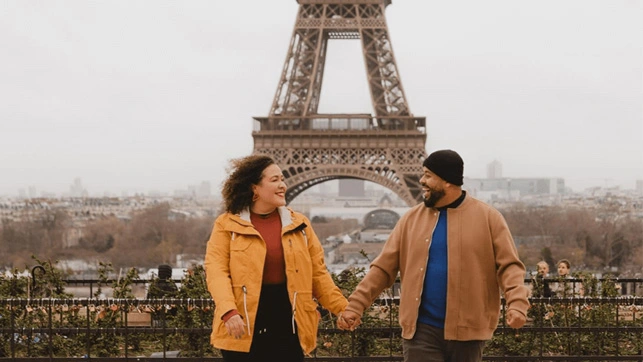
{"x":515,"y":319}
{"x":235,"y":326}
{"x":348,"y":321}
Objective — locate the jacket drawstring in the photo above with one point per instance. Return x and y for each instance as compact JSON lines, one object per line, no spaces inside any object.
{"x":245,"y":305}
{"x":233,"y":234}
{"x":305,"y":237}
{"x":294,"y":310}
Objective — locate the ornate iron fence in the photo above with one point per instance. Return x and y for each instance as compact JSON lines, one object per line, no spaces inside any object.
{"x":564,"y":328}
{"x":559,"y":329}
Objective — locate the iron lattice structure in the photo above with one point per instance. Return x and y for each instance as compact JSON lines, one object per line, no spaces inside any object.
{"x":386,"y":148}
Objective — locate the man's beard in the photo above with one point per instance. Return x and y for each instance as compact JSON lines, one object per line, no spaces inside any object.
{"x":434,"y":197}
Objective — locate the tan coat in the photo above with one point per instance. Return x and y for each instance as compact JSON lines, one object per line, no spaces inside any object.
{"x":482,"y":261}
{"x":234,"y":264}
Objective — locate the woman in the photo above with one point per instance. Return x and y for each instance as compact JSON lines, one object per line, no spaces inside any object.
{"x":265,"y":269}
{"x":563,"y":268}
{"x":564,"y":288}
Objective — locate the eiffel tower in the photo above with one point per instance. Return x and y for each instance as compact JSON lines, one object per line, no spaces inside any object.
{"x":386,"y":148}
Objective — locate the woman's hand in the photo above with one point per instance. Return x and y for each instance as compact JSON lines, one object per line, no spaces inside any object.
{"x":348,"y":321}
{"x":235,"y":326}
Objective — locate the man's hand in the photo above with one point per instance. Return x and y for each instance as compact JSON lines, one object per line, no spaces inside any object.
{"x":235,"y":326}
{"x":348,"y":321}
{"x":515,"y":319}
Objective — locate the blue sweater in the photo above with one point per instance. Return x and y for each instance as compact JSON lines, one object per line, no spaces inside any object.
{"x":434,"y":294}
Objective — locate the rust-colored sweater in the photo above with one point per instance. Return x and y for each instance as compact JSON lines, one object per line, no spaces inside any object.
{"x":274,"y":269}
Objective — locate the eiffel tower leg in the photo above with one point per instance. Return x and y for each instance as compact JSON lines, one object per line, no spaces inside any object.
{"x":301,"y":77}
{"x":387,"y":93}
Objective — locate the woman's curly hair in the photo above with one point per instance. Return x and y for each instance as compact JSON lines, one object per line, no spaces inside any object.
{"x":243,"y":173}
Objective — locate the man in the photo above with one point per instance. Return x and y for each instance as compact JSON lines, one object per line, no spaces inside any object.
{"x":542,"y":269}
{"x":454,"y":255}
{"x":163,"y":286}
{"x":540,"y":287}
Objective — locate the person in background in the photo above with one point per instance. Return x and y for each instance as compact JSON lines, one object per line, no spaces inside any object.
{"x":563,"y":268}
{"x":163,"y":286}
{"x":542,"y":268}
{"x":540,"y":286}
{"x":565,"y":288}
{"x":454,"y":254}
{"x":265,"y":270}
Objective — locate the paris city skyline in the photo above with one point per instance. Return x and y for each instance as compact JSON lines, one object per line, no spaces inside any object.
{"x":152,"y":95}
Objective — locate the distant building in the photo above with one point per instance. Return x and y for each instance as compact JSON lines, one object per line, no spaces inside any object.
{"x":513,"y":188}
{"x":351,"y":188}
{"x":357,"y":213}
{"x":77,"y":189}
{"x":183,"y":193}
{"x":326,"y":188}
{"x":188,"y":260}
{"x":200,"y":191}
{"x":204,"y":190}
{"x":494,"y":170}
{"x":639,"y":187}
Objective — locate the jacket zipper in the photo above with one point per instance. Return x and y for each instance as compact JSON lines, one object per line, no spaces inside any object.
{"x":245,"y":306}
{"x":294,"y":298}
{"x":294,"y":310}
{"x":305,"y":237}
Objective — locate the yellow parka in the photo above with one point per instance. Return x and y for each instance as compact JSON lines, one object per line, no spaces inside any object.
{"x":234,"y":262}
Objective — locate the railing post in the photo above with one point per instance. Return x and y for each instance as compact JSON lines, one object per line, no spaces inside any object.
{"x":124,"y":321}
{"x":618,"y":324}
{"x":163,"y":328}
{"x":51,"y":335}
{"x":87,"y":314}
{"x":13,"y":329}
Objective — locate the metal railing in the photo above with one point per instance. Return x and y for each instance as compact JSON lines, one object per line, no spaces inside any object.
{"x":340,"y":122}
{"x":107,"y":329}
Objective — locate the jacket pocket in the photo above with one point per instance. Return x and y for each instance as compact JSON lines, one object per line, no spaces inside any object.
{"x":307,"y":320}
{"x":241,"y":259}
{"x":240,"y":244}
{"x":305,"y":304}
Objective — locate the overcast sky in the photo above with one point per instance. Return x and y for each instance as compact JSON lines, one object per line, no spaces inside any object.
{"x":155,"y":95}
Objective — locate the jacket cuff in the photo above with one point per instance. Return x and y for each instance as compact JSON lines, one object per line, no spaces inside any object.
{"x":229,"y":314}
{"x":519,"y":307}
{"x":355,"y":308}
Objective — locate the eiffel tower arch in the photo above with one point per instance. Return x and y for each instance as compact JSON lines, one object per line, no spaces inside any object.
{"x":386,"y":147}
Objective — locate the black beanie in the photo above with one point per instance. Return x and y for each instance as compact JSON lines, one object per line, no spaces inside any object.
{"x":447,"y":164}
{"x":165,"y":271}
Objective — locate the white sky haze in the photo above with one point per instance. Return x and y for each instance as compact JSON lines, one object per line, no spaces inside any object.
{"x":155,"y":94}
